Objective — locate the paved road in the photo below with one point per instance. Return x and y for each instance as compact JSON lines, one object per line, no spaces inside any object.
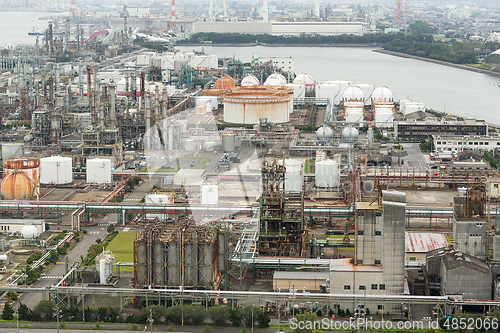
{"x":415,"y":158}
{"x":32,"y":299}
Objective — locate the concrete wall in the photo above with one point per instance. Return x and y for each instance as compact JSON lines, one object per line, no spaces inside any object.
{"x":368,"y":245}
{"x":470,"y":237}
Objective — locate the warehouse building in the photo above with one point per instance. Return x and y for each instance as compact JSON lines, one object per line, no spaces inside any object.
{"x":459,"y":143}
{"x":417,"y":244}
{"x":300,"y":281}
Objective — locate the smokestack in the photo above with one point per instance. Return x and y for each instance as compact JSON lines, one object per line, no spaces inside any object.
{"x":127,"y":86}
{"x":211,"y":10}
{"x":225,"y":9}
{"x":66,"y":35}
{"x":157,"y":104}
{"x":80,"y":80}
{"x":316,"y":8}
{"x":58,"y":78}
{"x":265,"y":11}
{"x":173,"y":14}
{"x":112,"y":105}
{"x":89,"y":82}
{"x":165,"y":102}
{"x":51,"y":89}
{"x":133,"y":84}
{"x":148,"y":121}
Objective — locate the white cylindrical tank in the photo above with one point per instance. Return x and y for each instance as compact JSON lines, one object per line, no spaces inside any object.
{"x":249,"y":80}
{"x":275,"y":79}
{"x":354,"y":116}
{"x":4,"y":257}
{"x":329,"y":91}
{"x":294,"y":175}
{"x":102,"y":271}
{"x":210,"y":102}
{"x":228,"y":142}
{"x":343,"y":86}
{"x":327,"y":174}
{"x":367,"y":91}
{"x":29,"y":232}
{"x":210,"y":145}
{"x":410,"y":107}
{"x":209,"y":194}
{"x":162,"y":199}
{"x":307,"y":80}
{"x":12,"y":150}
{"x":299,"y":90}
{"x":250,"y":107}
{"x":384,"y":117}
{"x":353,"y":94}
{"x":189,"y":145}
{"x":98,"y":171}
{"x":382,"y":94}
{"x":56,"y":170}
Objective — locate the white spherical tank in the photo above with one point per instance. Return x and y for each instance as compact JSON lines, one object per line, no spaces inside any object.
{"x":27,"y":171}
{"x":99,"y":171}
{"x":56,"y":170}
{"x":350,"y":134}
{"x":12,"y":150}
{"x":249,"y":80}
{"x":327,"y":174}
{"x":353,"y":94}
{"x":250,"y":107}
{"x":343,"y":86}
{"x":382,"y":94}
{"x":29,"y":232}
{"x":367,"y":91}
{"x":324,"y":133}
{"x":307,"y":80}
{"x":275,"y":79}
{"x":294,"y":175}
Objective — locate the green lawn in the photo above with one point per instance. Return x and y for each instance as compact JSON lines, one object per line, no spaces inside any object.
{"x":199,"y":166}
{"x":122,"y":247}
{"x":205,"y":160}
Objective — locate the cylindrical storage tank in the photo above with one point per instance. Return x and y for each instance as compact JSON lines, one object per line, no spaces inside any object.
{"x":228,"y":142}
{"x":275,"y":79}
{"x":17,"y":186}
{"x":367,"y":91}
{"x":56,"y":170}
{"x":353,"y":94}
{"x":98,"y":171}
{"x":4,"y":257}
{"x":294,"y":175}
{"x":103,"y":271}
{"x":327,"y":174}
{"x":329,"y":91}
{"x":250,"y":107}
{"x":354,"y":116}
{"x":306,"y":80}
{"x":410,"y":107}
{"x":12,"y":150}
{"x":249,"y":80}
{"x":30,"y":166}
{"x":343,"y":86}
{"x":29,"y":232}
{"x":189,"y":145}
{"x":299,"y":90}
{"x":382,"y":94}
{"x":384,"y":117}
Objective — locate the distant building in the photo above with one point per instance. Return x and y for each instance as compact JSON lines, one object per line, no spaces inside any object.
{"x":422,"y":129}
{"x":494,"y":189}
{"x":308,"y":281}
{"x":459,"y":143}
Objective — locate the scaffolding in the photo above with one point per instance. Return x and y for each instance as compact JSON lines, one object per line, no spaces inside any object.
{"x":282,"y":231}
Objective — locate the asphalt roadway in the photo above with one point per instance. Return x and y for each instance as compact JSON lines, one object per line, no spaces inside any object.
{"x":415,"y":158}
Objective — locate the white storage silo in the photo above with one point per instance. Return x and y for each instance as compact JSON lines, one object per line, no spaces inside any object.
{"x":210,"y":101}
{"x":56,"y":170}
{"x":209,"y":194}
{"x":294,"y":175}
{"x":384,"y":117}
{"x":228,"y":142}
{"x":343,"y":86}
{"x":410,"y":107}
{"x":354,"y":116}
{"x":327,"y":174}
{"x":12,"y":150}
{"x":189,"y":145}
{"x":329,"y":91}
{"x":154,"y":198}
{"x":299,"y":90}
{"x":98,"y":171}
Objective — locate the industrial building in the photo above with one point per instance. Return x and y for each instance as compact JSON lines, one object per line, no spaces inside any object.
{"x":458,"y":275}
{"x":459,"y":143}
{"x":418,"y":244}
{"x":424,"y":129}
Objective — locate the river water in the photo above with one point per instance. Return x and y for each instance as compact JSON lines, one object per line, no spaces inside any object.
{"x":441,"y":88}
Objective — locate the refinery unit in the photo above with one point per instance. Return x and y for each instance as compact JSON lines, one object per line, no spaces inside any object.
{"x":249,"y":177}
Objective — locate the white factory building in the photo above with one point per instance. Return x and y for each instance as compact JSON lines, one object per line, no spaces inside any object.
{"x":458,"y":143}
{"x":283,"y":28}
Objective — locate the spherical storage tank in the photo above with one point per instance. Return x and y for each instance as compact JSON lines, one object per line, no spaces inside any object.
{"x":98,"y":171}
{"x":29,"y":232}
{"x":367,"y":91}
{"x":293,"y":175}
{"x":249,"y":80}
{"x":224,"y":82}
{"x":249,"y":107}
{"x":324,"y":133}
{"x":353,"y":94}
{"x":327,"y":174}
{"x":56,"y":170}
{"x":382,"y":94}
{"x":21,"y":178}
{"x":350,"y":134}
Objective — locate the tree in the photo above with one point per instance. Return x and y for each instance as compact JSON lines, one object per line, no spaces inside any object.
{"x":263,"y":319}
{"x":157,"y":311}
{"x":174,"y":315}
{"x":24,"y":312}
{"x":45,"y":310}
{"x":8,"y":312}
{"x":235,"y":317}
{"x":219,"y":315}
{"x":246,"y":314}
{"x":306,"y":318}
{"x":111,"y":228}
{"x":12,"y":296}
{"x":197,"y":314}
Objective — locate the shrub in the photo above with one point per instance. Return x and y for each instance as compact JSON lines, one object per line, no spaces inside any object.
{"x":219,"y":315}
{"x":170,"y":329}
{"x":134,"y":327}
{"x":8,"y":312}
